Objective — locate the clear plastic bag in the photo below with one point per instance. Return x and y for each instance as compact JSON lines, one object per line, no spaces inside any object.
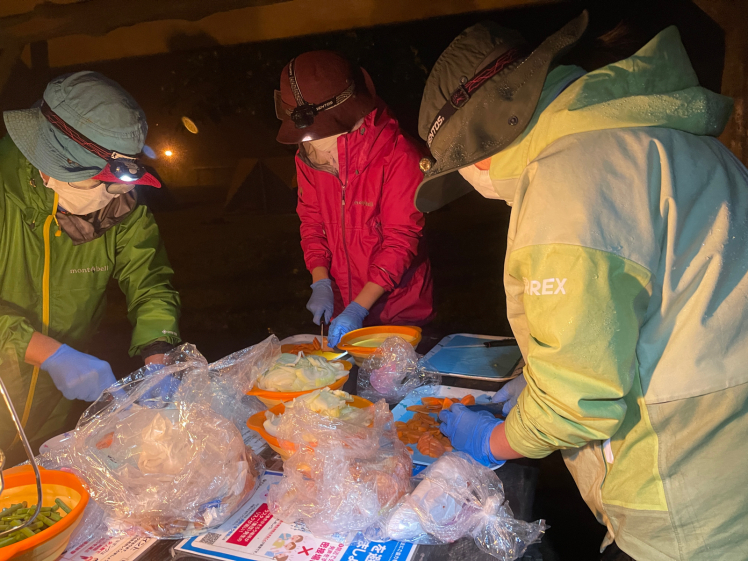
{"x":457,"y":497}
{"x":160,"y":451}
{"x":392,"y":372}
{"x":345,"y":475}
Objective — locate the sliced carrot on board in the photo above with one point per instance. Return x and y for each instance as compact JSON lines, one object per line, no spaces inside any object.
{"x":468,"y":400}
{"x":418,"y":408}
{"x":432,"y":400}
{"x":447,"y":403}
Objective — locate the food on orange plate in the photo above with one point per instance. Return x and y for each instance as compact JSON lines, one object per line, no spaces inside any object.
{"x":310,"y":347}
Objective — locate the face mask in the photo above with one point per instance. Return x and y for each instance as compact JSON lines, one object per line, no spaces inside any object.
{"x":502,"y":189}
{"x":324,"y":151}
{"x":80,"y":201}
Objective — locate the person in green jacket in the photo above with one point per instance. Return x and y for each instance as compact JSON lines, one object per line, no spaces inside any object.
{"x":69,"y":221}
{"x":625,"y":278}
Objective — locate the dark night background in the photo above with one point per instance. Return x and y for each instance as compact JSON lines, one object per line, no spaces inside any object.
{"x":241,"y":275}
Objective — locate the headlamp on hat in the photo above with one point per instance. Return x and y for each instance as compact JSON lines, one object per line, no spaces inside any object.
{"x":304,"y":113}
{"x":119,"y":167}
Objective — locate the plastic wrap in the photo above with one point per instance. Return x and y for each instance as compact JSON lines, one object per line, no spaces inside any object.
{"x":160,"y":451}
{"x":345,"y":475}
{"x":457,"y":497}
{"x":392,"y":372}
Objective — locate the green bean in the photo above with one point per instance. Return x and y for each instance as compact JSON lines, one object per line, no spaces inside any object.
{"x":7,"y":541}
{"x":4,"y":527}
{"x":45,"y":520}
{"x":54,"y":516}
{"x":14,"y":523}
{"x":63,"y":506}
{"x":10,"y":510}
{"x":28,"y":533}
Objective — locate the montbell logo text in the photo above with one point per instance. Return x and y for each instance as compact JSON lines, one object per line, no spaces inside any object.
{"x":91,"y":269}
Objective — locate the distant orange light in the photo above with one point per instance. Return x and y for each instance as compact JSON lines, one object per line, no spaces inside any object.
{"x":168,"y":153}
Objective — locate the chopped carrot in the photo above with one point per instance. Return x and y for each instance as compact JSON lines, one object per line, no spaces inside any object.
{"x":447,"y":403}
{"x":418,"y":408}
{"x":468,"y":400}
{"x":431,"y":401}
{"x":106,"y":441}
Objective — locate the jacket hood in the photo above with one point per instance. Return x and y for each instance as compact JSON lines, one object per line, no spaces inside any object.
{"x":655,"y":87}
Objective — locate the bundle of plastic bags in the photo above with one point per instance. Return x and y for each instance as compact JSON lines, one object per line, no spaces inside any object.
{"x":346,"y":473}
{"x":392,"y":372}
{"x":161,"y":452}
{"x":457,"y":497}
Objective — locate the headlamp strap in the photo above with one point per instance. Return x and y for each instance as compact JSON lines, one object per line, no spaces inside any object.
{"x":315,"y":107}
{"x":56,"y":121}
{"x":467,"y":87}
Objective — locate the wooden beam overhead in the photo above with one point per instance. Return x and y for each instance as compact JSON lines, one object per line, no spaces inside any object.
{"x":98,"y":17}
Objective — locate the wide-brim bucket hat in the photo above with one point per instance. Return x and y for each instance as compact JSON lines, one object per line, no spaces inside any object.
{"x":479,"y":97}
{"x":91,"y":105}
{"x":321,"y":95}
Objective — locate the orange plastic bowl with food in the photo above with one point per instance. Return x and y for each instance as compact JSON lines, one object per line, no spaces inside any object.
{"x":285,"y":449}
{"x":271,"y":398}
{"x":20,"y":485}
{"x":361,"y":343}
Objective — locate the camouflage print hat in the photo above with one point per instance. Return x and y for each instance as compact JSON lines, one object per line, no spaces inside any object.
{"x":479,"y":97}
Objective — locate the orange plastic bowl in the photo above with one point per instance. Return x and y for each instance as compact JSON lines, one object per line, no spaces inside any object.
{"x":361,"y":343}
{"x":285,"y":449}
{"x":271,"y":398}
{"x":20,"y":485}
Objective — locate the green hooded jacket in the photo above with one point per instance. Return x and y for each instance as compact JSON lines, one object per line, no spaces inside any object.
{"x":627,"y":291}
{"x":45,"y":276}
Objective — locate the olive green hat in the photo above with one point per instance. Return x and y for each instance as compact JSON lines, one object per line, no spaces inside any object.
{"x":479,"y":97}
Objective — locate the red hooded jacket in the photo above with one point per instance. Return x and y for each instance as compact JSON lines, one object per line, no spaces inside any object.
{"x":362,"y":224}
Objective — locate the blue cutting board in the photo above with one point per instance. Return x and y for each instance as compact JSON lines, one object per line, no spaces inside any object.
{"x":485,"y":363}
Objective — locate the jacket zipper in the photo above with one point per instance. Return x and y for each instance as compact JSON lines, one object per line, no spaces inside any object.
{"x":342,"y":221}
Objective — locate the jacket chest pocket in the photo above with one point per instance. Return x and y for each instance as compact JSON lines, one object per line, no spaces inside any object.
{"x":86,"y":266}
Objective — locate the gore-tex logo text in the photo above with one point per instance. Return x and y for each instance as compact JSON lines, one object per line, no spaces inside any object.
{"x":544,"y":287}
{"x":91,"y":270}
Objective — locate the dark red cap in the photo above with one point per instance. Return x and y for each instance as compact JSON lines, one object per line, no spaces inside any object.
{"x":321,"y":76}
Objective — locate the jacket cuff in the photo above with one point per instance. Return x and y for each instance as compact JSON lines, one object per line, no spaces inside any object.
{"x":521,"y":439}
{"x":317,"y":262}
{"x":159,"y":347}
{"x":379,"y":276}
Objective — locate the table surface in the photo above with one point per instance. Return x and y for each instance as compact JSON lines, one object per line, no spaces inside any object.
{"x":519,"y":479}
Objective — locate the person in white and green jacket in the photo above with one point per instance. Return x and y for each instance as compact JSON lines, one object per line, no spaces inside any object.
{"x":626,"y":277}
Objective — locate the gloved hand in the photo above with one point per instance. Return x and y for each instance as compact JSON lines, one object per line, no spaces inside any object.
{"x":322,"y":302}
{"x":509,"y":393}
{"x":352,"y":318}
{"x":78,"y":375}
{"x":470,"y":431}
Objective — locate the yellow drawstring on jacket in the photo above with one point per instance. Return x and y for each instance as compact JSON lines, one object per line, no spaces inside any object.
{"x":45,"y":301}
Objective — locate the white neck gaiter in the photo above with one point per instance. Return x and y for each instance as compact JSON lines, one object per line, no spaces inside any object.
{"x":80,"y":201}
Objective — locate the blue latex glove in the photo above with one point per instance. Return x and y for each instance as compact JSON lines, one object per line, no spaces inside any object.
{"x":322,"y":302}
{"x":78,"y":375}
{"x":509,"y":393}
{"x":470,"y":431}
{"x":352,"y":318}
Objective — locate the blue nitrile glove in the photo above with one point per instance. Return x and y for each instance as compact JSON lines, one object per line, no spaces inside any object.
{"x":78,"y":375}
{"x":352,"y":318}
{"x":322,"y":302}
{"x":509,"y":393}
{"x":470,"y":431}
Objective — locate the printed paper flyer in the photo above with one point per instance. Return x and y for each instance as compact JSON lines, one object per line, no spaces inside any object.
{"x":253,"y":534}
{"x":110,"y":549}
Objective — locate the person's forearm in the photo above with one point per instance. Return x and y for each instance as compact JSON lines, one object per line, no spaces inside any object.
{"x":154,"y":359}
{"x":319,"y":273}
{"x":500,"y":445}
{"x":370,"y":293}
{"x":40,"y":349}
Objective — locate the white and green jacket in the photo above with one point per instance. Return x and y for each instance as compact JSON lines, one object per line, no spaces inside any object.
{"x":627,"y":287}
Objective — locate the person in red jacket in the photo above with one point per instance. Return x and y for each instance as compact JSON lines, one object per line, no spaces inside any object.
{"x":357,"y":172}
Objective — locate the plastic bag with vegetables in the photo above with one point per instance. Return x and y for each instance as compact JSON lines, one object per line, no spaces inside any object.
{"x":346,"y":474}
{"x":392,"y":372}
{"x":160,"y":451}
{"x":457,"y":497}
